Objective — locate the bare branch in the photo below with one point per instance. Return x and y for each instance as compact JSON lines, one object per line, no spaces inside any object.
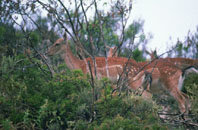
{"x":42,"y":57}
{"x":68,"y":14}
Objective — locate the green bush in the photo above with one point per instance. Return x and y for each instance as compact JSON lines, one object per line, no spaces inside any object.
{"x":122,"y":123}
{"x":123,"y":113}
{"x":191,"y":87}
{"x":30,"y":99}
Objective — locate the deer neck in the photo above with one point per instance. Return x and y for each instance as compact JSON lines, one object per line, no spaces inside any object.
{"x":72,"y":61}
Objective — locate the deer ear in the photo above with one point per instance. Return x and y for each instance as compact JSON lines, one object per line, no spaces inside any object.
{"x":155,"y":52}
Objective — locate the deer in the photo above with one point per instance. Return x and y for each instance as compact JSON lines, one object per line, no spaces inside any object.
{"x":117,"y":67}
{"x":186,"y":65}
{"x":164,"y":76}
{"x":168,"y":77}
{"x":173,"y":71}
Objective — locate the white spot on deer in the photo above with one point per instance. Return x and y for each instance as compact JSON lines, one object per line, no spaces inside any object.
{"x":118,"y":76}
{"x":115,"y":66}
{"x":143,"y":78}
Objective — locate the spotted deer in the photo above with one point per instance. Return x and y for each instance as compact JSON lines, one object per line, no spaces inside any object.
{"x":167,"y":79}
{"x":117,"y":67}
{"x":173,"y":71}
{"x":168,"y":75}
{"x":186,"y":65}
{"x":165,"y":75}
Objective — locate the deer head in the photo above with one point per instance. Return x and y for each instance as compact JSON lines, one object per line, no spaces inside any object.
{"x":58,"y":47}
{"x":153,"y":54}
{"x":61,"y":46}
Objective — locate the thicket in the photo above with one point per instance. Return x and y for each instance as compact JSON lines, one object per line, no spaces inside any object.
{"x":31,"y":100}
{"x":31,"y":97}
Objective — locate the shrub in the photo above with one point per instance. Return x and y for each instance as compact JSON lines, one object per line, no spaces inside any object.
{"x":29,"y":99}
{"x":124,"y":113}
{"x":191,"y":87}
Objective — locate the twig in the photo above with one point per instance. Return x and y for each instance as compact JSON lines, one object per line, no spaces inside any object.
{"x":93,"y":90}
{"x":42,"y":57}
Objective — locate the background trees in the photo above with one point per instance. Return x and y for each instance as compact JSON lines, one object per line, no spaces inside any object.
{"x":188,"y":47}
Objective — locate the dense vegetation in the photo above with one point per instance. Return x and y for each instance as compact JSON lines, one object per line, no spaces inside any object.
{"x":31,"y":100}
{"x":37,"y":94}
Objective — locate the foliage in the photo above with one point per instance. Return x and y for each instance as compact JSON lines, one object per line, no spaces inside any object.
{"x":31,"y":99}
{"x":191,"y":87}
{"x":138,"y":55}
{"x":123,"y":113}
{"x":188,"y":47}
{"x":9,"y":39}
{"x":28,"y":99}
{"x":135,"y":54}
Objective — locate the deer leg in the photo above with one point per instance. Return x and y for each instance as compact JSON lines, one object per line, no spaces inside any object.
{"x":148,"y":81}
{"x":146,"y":86}
{"x":187,"y":103}
{"x":180,"y":98}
